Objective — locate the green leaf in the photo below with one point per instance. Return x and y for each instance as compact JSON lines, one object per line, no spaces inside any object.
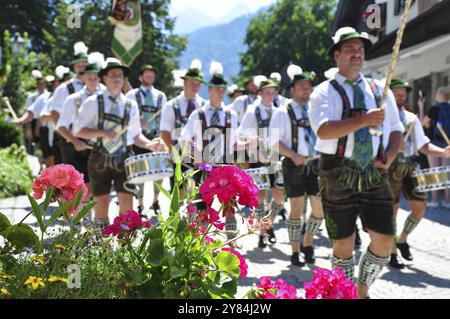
{"x":228,"y":263}
{"x":135,"y":277}
{"x":156,"y":252}
{"x":4,"y":222}
{"x":230,"y":286}
{"x":58,"y":212}
{"x":77,"y":199}
{"x":175,"y":203}
{"x":86,"y":209}
{"x":182,"y":226}
{"x":163,"y":190}
{"x":177,"y":272}
{"x":21,"y":236}
{"x":37,"y":212}
{"x":48,"y":197}
{"x":152,"y":289}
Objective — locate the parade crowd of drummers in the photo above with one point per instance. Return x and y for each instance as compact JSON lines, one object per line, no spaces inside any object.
{"x":316,"y":145}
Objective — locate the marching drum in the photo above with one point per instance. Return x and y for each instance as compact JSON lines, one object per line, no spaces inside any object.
{"x":260,"y":176}
{"x":148,"y":167}
{"x":432,"y":179}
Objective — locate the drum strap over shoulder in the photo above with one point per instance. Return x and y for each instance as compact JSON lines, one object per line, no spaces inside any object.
{"x":70,"y":88}
{"x":294,"y":127}
{"x":342,"y":143}
{"x":139,"y":100}
{"x":261,"y":123}
{"x":101,"y":117}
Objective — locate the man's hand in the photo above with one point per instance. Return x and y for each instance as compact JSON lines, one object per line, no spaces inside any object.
{"x":447,"y":152}
{"x":79,"y":145}
{"x":298,"y":159}
{"x":373,"y":117}
{"x":18,"y":122}
{"x":112,"y":135}
{"x":155,"y":145}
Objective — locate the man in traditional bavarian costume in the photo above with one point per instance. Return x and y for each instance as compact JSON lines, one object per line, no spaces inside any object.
{"x":296,"y":143}
{"x":329,"y":74}
{"x":150,"y":102}
{"x":104,"y":117}
{"x":32,"y":129}
{"x":241,"y":104}
{"x":176,"y":112}
{"x":34,"y":112}
{"x":71,"y":108}
{"x":254,"y":131}
{"x":214,"y":131}
{"x":56,"y":103}
{"x":401,"y":179}
{"x":234,"y":91}
{"x":354,"y":181}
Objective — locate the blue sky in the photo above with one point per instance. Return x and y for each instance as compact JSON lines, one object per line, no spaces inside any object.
{"x":217,"y":8}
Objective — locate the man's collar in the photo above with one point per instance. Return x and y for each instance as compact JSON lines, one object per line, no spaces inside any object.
{"x":341,"y":79}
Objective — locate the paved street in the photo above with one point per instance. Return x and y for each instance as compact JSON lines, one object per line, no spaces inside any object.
{"x":428,"y":276}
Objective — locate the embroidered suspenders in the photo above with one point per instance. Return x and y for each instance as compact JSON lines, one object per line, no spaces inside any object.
{"x":202,"y":117}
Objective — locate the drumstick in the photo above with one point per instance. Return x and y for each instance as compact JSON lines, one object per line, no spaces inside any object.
{"x":410,"y":130}
{"x":126,"y":128}
{"x":14,"y":115}
{"x":311,"y":159}
{"x":392,"y":64}
{"x":439,"y":126}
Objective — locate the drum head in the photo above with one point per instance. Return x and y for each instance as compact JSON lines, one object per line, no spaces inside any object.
{"x":145,"y":178}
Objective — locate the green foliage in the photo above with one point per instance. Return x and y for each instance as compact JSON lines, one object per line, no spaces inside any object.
{"x":295,"y":31}
{"x":15,"y":172}
{"x":10,"y":134}
{"x":17,"y":72}
{"x":100,"y":268}
{"x":21,"y":236}
{"x":173,"y":261}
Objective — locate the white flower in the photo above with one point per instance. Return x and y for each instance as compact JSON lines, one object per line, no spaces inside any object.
{"x":294,"y":70}
{"x":196,"y":64}
{"x":276,"y":76}
{"x":232,"y":88}
{"x":49,"y":78}
{"x":61,"y":70}
{"x":80,"y":47}
{"x":111,"y":60}
{"x":259,"y":79}
{"x":330,"y":73}
{"x":36,"y":74}
{"x":215,"y":68}
{"x":97,"y":58}
{"x":341,"y":32}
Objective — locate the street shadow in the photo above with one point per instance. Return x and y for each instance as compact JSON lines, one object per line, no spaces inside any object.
{"x":415,"y":279}
{"x":439,"y":214}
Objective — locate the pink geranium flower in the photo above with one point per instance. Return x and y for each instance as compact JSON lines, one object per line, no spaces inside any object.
{"x":230,"y":185}
{"x":276,"y":290}
{"x":67,"y":183}
{"x":126,"y":225}
{"x":327,"y":284}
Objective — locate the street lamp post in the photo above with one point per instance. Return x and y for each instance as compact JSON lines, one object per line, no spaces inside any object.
{"x":17,"y":43}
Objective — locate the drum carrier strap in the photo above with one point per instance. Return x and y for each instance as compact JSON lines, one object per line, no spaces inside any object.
{"x":202,"y":116}
{"x":348,"y":112}
{"x":70,"y":88}
{"x":113,"y":118}
{"x":179,"y":119}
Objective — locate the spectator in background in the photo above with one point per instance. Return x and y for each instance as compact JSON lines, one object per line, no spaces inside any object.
{"x":440,"y":113}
